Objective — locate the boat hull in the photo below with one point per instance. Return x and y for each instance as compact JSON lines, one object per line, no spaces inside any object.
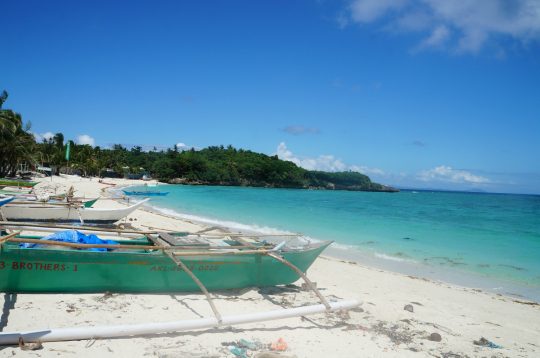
{"x":48,"y":270}
{"x":4,"y":201}
{"x":60,"y":213}
{"x":22,"y":184}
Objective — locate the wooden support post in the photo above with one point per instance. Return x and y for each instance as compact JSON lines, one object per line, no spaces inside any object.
{"x":160,"y":242}
{"x":3,"y":219}
{"x":80,"y":216}
{"x":308,"y":281}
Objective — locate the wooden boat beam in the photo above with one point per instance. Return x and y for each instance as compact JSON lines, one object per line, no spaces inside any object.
{"x":141,"y":247}
{"x":10,"y":236}
{"x":154,"y":232}
{"x":169,"y":253}
{"x":80,"y":216}
{"x":300,"y":273}
{"x":4,"y":219}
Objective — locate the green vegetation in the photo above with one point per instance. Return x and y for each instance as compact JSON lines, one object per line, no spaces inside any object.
{"x":16,"y":143}
{"x":213,"y":165}
{"x":235,"y":166}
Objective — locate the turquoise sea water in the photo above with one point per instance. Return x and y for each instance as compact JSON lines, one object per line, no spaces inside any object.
{"x":489,"y":237}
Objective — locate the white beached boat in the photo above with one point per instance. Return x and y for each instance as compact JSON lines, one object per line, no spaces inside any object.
{"x":52,"y":212}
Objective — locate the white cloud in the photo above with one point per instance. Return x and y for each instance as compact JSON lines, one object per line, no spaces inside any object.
{"x":327,"y":163}
{"x":182,"y":146}
{"x":300,"y":130}
{"x":323,"y":162}
{"x":370,"y":10}
{"x":367,"y":171}
{"x":86,"y":139}
{"x":462,"y":26}
{"x":40,"y":137}
{"x":438,"y":36}
{"x":447,"y":174}
{"x":439,"y":177}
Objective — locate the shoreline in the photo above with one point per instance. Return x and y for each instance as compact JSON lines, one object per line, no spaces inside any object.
{"x":379,"y":328}
{"x":445,"y":275}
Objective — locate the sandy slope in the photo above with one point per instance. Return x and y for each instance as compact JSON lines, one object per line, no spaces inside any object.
{"x":382,"y":329}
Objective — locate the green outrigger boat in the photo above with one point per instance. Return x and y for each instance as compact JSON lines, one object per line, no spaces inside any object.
{"x":141,"y":265}
{"x":24,"y":184}
{"x":166,"y":262}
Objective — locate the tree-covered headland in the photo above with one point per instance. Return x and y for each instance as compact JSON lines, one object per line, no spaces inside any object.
{"x":215,"y":165}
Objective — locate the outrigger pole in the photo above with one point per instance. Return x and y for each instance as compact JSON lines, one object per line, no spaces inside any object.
{"x":169,"y":253}
{"x":80,"y":333}
{"x":280,"y":258}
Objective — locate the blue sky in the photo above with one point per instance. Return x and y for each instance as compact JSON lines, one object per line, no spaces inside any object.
{"x":413,"y":93}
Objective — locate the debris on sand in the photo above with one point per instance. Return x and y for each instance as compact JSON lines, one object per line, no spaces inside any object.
{"x":29,"y":346}
{"x":435,"y":337}
{"x":486,"y":343}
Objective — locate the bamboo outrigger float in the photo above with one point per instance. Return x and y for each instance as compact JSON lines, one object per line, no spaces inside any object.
{"x":155,"y":261}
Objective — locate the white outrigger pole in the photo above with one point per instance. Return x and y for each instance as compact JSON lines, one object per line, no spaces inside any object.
{"x":80,"y":333}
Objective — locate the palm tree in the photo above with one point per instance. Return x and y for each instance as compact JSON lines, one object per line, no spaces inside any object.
{"x":3,"y":98}
{"x":47,"y":151}
{"x":58,"y":157}
{"x":59,"y":141}
{"x":16,"y":142}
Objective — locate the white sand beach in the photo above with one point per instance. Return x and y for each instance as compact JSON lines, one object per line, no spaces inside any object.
{"x":381,"y":327}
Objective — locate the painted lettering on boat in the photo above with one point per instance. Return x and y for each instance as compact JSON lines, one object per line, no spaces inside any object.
{"x":58,"y":267}
{"x":191,"y":268}
{"x":35,"y":266}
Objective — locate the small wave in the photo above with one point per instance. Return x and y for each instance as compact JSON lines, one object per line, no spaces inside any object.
{"x":392,"y":258}
{"x":231,"y":225}
{"x":342,"y":246}
{"x":386,"y":257}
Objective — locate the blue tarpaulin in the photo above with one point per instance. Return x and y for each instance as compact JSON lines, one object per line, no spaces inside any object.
{"x":75,"y":237}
